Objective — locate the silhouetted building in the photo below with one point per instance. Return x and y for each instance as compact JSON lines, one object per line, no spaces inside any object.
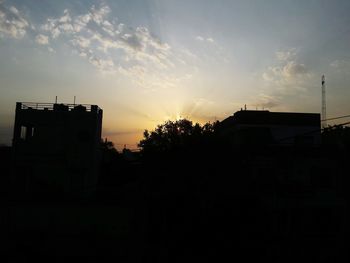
{"x":56,"y":148}
{"x":265,"y":127}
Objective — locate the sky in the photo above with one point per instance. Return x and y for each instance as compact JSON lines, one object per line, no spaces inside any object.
{"x":147,"y":61}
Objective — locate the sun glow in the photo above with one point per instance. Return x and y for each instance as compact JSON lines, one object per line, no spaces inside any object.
{"x":178,"y":116}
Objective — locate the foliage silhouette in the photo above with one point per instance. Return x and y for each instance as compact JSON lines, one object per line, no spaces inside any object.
{"x":110,"y":159}
{"x":177,"y":135}
{"x":336,"y":136}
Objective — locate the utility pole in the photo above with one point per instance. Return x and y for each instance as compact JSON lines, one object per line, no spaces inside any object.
{"x":324,"y":113}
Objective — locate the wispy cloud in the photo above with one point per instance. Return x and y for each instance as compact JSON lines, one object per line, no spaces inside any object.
{"x":111,"y":46}
{"x":203,"y":39}
{"x":286,"y":55}
{"x":12,"y":22}
{"x":197,"y":105}
{"x":96,"y":37}
{"x":210,"y":51}
{"x":42,"y":39}
{"x":340,"y":64}
{"x":266,"y":101}
{"x":210,"y":40}
{"x":109,"y":132}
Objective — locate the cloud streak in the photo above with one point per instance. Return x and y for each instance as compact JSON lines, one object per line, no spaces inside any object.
{"x":203,"y":39}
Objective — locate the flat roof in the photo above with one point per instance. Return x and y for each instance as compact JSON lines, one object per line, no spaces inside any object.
{"x":57,"y":106}
{"x":273,"y":118}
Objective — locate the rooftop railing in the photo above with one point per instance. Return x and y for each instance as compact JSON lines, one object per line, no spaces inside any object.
{"x":58,"y":106}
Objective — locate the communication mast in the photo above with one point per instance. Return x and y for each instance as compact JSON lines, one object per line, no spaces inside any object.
{"x":324,"y":114}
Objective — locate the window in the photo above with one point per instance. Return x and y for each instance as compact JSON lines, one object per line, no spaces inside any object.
{"x":23,"y":132}
{"x":27,"y":132}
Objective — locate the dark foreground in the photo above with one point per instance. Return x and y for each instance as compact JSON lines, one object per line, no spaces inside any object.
{"x":274,"y":205}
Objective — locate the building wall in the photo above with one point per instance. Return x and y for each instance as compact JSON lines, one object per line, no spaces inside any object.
{"x":264,"y":127}
{"x":288,"y":134}
{"x":56,"y":150}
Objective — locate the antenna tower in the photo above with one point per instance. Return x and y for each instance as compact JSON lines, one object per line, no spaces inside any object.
{"x":324,"y":114}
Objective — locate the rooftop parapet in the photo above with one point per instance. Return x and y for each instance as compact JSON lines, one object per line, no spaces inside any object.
{"x":57,"y":107}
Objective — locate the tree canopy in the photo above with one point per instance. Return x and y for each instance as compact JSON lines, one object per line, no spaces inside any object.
{"x":176,"y":135}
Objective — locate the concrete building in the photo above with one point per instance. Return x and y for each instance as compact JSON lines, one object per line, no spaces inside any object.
{"x":56,"y":148}
{"x":265,"y":127}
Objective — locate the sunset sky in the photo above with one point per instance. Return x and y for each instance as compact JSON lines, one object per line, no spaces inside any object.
{"x":145,"y":62}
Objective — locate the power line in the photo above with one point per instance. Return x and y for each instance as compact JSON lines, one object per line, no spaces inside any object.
{"x":335,"y":118}
{"x":337,"y":125}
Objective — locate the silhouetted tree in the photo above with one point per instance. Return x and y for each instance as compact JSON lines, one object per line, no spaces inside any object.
{"x":108,"y":145}
{"x":110,"y":157}
{"x":336,"y":136}
{"x":176,"y":135}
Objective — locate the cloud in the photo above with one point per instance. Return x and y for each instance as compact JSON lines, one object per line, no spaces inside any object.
{"x":293,"y":69}
{"x":96,"y":37}
{"x":209,"y":52}
{"x":202,"y":39}
{"x":199,"y":104}
{"x":288,"y":71}
{"x":286,"y":55}
{"x":12,"y":23}
{"x":98,"y":15}
{"x":58,"y":26}
{"x":42,"y":39}
{"x":121,"y":132}
{"x":340,"y":64}
{"x":289,"y":67}
{"x":105,"y":43}
{"x":81,"y":42}
{"x":339,"y":69}
{"x":106,"y":65}
{"x":266,"y":101}
{"x":66,"y":17}
{"x":113,"y":47}
{"x":288,"y":76}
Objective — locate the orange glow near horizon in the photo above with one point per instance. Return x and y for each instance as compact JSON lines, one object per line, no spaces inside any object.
{"x":121,"y":136}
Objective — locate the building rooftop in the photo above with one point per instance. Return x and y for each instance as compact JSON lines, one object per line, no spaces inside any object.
{"x":57,"y":107}
{"x":273,"y":118}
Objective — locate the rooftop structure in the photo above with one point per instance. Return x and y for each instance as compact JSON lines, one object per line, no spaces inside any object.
{"x":56,"y":147}
{"x":283,"y":128}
